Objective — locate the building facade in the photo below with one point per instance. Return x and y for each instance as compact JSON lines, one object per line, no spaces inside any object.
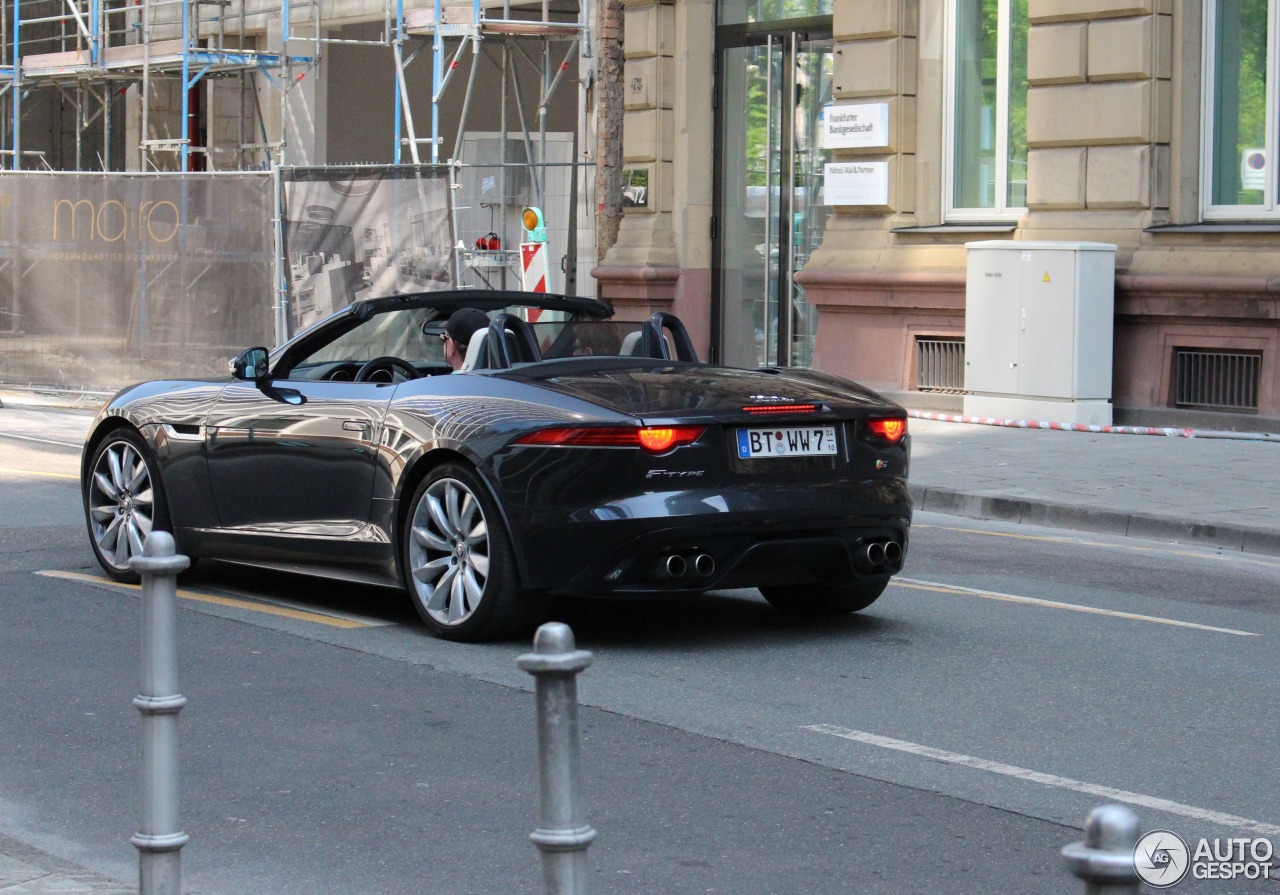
{"x":1147,"y":125}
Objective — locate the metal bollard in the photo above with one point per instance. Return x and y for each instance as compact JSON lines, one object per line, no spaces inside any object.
{"x":1105,"y":859}
{"x":562,"y":834}
{"x":160,"y":839}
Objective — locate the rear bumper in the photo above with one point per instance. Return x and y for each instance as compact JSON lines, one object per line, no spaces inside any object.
{"x":705,"y":561}
{"x":606,"y":522}
{"x":803,"y":537}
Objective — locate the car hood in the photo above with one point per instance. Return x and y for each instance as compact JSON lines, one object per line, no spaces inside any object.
{"x":700,"y":390}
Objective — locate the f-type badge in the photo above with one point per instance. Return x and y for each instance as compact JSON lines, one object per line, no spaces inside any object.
{"x":881,"y":464}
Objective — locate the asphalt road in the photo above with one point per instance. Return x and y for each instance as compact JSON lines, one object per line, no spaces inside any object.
{"x":950,"y":739}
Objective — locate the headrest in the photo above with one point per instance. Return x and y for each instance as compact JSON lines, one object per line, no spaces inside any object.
{"x":631,"y":344}
{"x":474,"y":348}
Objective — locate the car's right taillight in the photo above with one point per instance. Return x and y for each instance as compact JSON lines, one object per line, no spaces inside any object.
{"x":891,"y":429}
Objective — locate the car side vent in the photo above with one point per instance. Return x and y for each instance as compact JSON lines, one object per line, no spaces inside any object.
{"x":1216,"y":380}
{"x":939,"y":365}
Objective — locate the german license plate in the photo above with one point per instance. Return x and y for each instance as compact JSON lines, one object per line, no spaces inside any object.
{"x":787,"y":441}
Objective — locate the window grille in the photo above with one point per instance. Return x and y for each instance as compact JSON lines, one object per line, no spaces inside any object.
{"x":940,"y":365}
{"x":1216,"y":380}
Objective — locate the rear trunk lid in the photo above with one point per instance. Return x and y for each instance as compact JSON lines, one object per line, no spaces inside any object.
{"x":657,"y":390}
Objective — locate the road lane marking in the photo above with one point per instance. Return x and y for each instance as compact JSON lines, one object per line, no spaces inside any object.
{"x":258,"y":599}
{"x":66,"y":444}
{"x":1054,"y":604}
{"x":334,"y":621}
{"x":36,"y":472}
{"x":1008,"y":770}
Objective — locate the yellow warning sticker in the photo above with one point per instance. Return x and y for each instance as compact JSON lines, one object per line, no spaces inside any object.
{"x":1046,"y":277}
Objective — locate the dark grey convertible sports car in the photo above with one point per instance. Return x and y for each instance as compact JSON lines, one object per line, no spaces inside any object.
{"x":569,"y":455}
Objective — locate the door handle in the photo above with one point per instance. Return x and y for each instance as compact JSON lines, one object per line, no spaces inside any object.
{"x":356,"y":426}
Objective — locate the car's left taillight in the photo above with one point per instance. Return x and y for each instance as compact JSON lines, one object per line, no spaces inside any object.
{"x":890,"y":429}
{"x":654,"y":439}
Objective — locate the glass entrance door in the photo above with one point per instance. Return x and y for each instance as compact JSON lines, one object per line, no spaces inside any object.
{"x":772,"y":92}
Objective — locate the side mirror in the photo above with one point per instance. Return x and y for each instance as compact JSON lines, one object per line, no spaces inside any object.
{"x":250,"y":364}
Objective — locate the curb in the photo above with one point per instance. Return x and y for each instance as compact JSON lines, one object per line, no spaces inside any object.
{"x":1076,"y":518}
{"x":26,"y":869}
{"x":32,"y":399}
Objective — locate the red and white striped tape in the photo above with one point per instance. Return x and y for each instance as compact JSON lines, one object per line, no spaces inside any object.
{"x":1044,"y":424}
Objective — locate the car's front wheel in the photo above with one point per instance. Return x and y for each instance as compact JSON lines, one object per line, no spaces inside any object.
{"x":124,"y":502}
{"x":824,"y":599}
{"x":458,"y":561}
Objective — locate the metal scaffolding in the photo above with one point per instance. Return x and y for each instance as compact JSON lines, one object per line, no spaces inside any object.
{"x":164,"y":85}
{"x":453,"y":28}
{"x":88,"y":52}
{"x":517,"y":46}
{"x":85,"y":53}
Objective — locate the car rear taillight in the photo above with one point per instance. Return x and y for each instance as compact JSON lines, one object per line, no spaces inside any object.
{"x":891,"y":430}
{"x":655,"y":439}
{"x":758,"y":409}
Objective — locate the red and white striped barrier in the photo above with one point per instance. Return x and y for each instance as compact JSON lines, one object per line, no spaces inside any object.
{"x":533,"y":266}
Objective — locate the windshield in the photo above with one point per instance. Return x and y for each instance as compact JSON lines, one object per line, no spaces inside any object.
{"x":414,"y":335}
{"x":406,"y":334}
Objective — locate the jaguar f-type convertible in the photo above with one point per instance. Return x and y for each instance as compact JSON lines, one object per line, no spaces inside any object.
{"x":569,"y":455}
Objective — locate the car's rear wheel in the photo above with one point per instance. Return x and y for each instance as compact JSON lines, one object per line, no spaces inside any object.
{"x":824,"y":599}
{"x":124,"y":502}
{"x":459,"y":565}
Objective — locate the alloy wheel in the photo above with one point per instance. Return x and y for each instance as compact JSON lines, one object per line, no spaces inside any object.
{"x":449,"y":551}
{"x":121,"y":504}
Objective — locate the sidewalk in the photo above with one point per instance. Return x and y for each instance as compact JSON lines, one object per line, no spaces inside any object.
{"x":26,"y":871}
{"x":1220,"y":492}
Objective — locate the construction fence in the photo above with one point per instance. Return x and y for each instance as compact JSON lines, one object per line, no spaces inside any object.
{"x":110,"y":279}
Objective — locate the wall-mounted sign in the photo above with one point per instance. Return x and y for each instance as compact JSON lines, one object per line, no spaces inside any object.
{"x":855,"y":127}
{"x":856,"y":183}
{"x":635,"y":188}
{"x":1253,"y":169}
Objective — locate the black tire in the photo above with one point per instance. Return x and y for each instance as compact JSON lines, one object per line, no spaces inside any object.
{"x":824,"y":599}
{"x":124,"y":501}
{"x":459,"y":567}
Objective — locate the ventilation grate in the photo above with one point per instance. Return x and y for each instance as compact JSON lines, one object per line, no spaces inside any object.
{"x":1216,"y":380}
{"x":940,"y":365}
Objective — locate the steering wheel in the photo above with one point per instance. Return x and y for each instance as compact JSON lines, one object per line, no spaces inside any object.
{"x":386,"y":364}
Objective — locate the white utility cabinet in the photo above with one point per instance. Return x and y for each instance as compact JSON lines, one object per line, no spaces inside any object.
{"x":1038,"y":330}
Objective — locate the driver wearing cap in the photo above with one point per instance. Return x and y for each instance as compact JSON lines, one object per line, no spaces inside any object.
{"x":458,"y":330}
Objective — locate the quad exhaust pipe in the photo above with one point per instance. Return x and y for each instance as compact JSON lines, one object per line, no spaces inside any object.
{"x":879,"y":554}
{"x":677,"y":566}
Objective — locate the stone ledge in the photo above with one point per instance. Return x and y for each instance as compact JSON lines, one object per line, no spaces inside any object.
{"x":1078,"y":518}
{"x":637,"y":284}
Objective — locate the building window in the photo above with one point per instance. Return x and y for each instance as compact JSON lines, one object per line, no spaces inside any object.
{"x":750,"y":12}
{"x":1240,"y":94}
{"x":987,"y":109}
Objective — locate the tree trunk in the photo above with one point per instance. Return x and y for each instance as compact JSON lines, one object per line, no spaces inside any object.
{"x":609,"y":108}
